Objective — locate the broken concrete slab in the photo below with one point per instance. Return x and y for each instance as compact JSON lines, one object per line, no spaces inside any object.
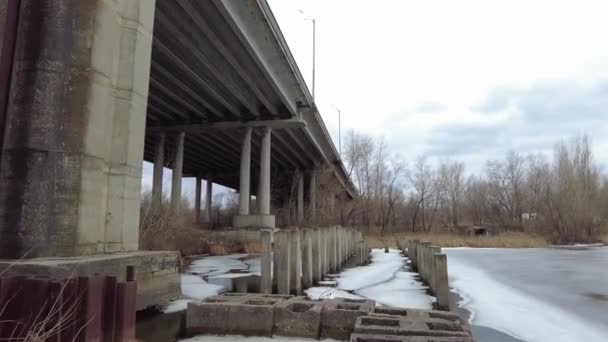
{"x":418,"y":314}
{"x":298,"y":318}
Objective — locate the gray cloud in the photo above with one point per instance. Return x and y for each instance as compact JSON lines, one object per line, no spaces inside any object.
{"x":548,"y":101}
{"x":461,"y":139}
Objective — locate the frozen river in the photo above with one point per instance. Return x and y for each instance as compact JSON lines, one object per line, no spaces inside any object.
{"x":534,"y":294}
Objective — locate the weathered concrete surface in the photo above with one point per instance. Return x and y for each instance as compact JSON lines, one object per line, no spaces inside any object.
{"x":298,"y":318}
{"x":248,"y":316}
{"x":393,"y":338}
{"x":157,"y":273}
{"x":405,"y":326}
{"x":70,"y":168}
{"x":339,"y":317}
{"x":254,"y":221}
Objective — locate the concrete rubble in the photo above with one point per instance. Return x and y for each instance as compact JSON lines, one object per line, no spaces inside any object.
{"x":342,"y":319}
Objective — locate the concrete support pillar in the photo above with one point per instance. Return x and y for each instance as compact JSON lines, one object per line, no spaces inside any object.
{"x":312,"y":197}
{"x":442,"y":291}
{"x":157,"y":177}
{"x":307,"y":259}
{"x":74,"y":128}
{"x":197,"y":201}
{"x":300,"y":197}
{"x":209,"y":196}
{"x":295,"y":258}
{"x":432,"y":281}
{"x":245,"y":177}
{"x":317,"y":256}
{"x":263,"y":197}
{"x":282,"y":249}
{"x":266,"y":261}
{"x":178,"y":166}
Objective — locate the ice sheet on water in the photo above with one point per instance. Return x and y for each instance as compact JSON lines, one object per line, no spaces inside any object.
{"x":402,"y":291}
{"x":216,"y":265}
{"x":503,"y":308}
{"x":321,"y":292}
{"x":382,"y":268}
{"x":383,"y":280}
{"x":193,"y":287}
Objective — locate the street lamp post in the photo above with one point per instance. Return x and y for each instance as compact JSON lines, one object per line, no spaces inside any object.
{"x":314,"y":51}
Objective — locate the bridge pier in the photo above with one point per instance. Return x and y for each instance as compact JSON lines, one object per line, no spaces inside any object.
{"x":263,"y":219}
{"x":71,"y":154}
{"x":209,"y":197}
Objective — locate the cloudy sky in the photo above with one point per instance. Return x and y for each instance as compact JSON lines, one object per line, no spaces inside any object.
{"x":465,"y":80}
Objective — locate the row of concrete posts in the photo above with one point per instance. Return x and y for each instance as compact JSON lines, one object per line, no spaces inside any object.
{"x":296,"y":259}
{"x":432,"y":265}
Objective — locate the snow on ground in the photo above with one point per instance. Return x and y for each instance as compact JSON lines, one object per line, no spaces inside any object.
{"x":229,"y":338}
{"x":384,"y":280}
{"x":495,"y":305}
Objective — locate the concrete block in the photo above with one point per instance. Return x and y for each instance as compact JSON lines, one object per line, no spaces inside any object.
{"x":283,"y":262}
{"x":420,"y":314}
{"x":403,"y":326}
{"x":393,"y":338}
{"x":440,"y":279}
{"x":339,"y":317}
{"x":247,"y":317}
{"x":298,"y":318}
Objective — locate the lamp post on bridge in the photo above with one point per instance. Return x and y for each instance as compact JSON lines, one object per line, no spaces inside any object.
{"x":314,"y":49}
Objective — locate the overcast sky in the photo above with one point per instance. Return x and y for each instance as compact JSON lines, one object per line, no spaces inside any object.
{"x":465,"y":80}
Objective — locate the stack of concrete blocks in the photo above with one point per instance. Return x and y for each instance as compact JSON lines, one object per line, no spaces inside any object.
{"x":295,"y":259}
{"x":432,"y":266}
{"x":384,"y":324}
{"x":339,"y":319}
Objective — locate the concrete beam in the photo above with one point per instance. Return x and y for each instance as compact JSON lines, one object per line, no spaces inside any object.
{"x":224,"y":125}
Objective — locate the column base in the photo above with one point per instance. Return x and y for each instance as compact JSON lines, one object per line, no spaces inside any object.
{"x":253,"y":221}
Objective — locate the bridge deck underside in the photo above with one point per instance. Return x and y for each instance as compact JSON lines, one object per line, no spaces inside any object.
{"x":202,"y":72}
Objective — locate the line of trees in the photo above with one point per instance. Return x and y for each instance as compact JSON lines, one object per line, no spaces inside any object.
{"x":564,"y":198}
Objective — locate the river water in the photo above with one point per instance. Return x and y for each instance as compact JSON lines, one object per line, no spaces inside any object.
{"x":534,"y":294}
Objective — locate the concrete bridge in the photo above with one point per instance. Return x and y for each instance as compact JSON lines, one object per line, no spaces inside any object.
{"x":91,"y":88}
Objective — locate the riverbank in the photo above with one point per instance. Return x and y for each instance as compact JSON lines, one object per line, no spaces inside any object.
{"x":503,"y":240}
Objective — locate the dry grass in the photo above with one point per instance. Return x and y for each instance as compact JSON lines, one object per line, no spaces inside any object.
{"x":504,"y":240}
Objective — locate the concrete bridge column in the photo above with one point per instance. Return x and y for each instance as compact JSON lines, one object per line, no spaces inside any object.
{"x":208,"y":196}
{"x":197,"y":201}
{"x":263,"y":197}
{"x":176,"y":181}
{"x":263,"y":219}
{"x":244,"y":182}
{"x":157,"y":177}
{"x":300,"y":197}
{"x":74,"y":127}
{"x":313,"y":197}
